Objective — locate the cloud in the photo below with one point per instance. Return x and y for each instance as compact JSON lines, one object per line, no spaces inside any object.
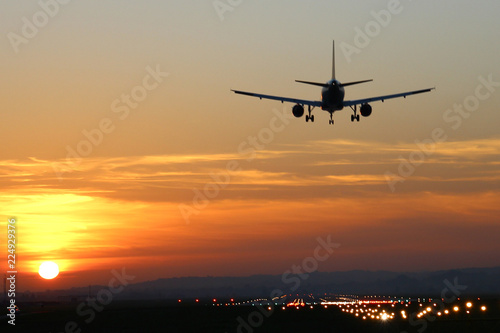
{"x":125,"y":210}
{"x":311,"y":164}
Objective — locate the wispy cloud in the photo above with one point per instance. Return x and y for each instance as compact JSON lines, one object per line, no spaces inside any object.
{"x":126,"y":209}
{"x":318,"y":163}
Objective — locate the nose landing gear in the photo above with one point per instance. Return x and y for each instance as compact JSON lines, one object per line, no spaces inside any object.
{"x":331,"y":122}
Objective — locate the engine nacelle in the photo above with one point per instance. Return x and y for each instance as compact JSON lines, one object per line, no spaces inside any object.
{"x":298,"y":110}
{"x":366,"y":110}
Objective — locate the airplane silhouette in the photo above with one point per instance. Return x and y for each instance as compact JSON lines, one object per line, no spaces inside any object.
{"x":332,"y":98}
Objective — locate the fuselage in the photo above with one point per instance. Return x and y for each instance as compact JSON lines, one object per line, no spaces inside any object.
{"x":332,"y":96}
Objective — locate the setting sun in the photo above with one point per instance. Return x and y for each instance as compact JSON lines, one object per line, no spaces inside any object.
{"x":48,"y":270}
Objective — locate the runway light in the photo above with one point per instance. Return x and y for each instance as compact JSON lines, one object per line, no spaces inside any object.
{"x":429,"y":309}
{"x":483,"y":308}
{"x":456,"y":308}
{"x":446,"y":311}
{"x":469,"y":304}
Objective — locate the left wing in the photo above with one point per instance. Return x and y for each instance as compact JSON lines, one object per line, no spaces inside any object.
{"x":282,"y":99}
{"x":382,"y":98}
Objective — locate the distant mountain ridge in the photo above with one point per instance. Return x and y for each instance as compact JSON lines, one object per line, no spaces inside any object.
{"x":473,"y":281}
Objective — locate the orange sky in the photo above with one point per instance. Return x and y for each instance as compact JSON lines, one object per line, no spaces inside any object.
{"x":128,"y":212}
{"x":116,"y":116}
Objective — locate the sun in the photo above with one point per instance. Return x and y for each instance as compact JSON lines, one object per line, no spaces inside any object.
{"x":48,"y":270}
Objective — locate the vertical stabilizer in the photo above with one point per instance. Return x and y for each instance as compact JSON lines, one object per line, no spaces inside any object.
{"x":333,"y":61}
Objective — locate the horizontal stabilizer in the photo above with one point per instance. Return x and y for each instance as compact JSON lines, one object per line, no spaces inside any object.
{"x":353,"y":83}
{"x":326,"y":85}
{"x":313,"y":83}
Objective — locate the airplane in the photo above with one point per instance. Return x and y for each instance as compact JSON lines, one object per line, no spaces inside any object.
{"x":332,"y":98}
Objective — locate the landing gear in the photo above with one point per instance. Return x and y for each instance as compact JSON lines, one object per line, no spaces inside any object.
{"x":355,"y":115}
{"x":310,"y":117}
{"x":331,"y":122}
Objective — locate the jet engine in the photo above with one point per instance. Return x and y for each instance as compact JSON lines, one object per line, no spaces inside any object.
{"x":298,"y":110}
{"x":366,"y":110}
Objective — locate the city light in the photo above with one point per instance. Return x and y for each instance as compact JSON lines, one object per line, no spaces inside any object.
{"x":403,"y":314}
{"x":378,"y":310}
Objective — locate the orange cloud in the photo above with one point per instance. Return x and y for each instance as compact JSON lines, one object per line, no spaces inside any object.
{"x":113,"y":212}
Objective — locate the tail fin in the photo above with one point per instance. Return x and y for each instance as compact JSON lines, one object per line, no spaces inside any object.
{"x":333,"y":61}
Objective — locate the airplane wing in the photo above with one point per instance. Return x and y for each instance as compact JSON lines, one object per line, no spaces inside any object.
{"x":382,"y":98}
{"x":282,"y":99}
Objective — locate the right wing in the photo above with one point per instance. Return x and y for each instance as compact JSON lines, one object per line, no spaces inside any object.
{"x":383,"y":98}
{"x":282,"y":99}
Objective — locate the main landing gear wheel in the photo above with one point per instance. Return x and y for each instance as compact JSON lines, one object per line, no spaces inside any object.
{"x":331,"y":122}
{"x":310,"y":116}
{"x":355,"y":115}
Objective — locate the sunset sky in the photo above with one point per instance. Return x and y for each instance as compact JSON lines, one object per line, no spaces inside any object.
{"x":122,"y":145}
